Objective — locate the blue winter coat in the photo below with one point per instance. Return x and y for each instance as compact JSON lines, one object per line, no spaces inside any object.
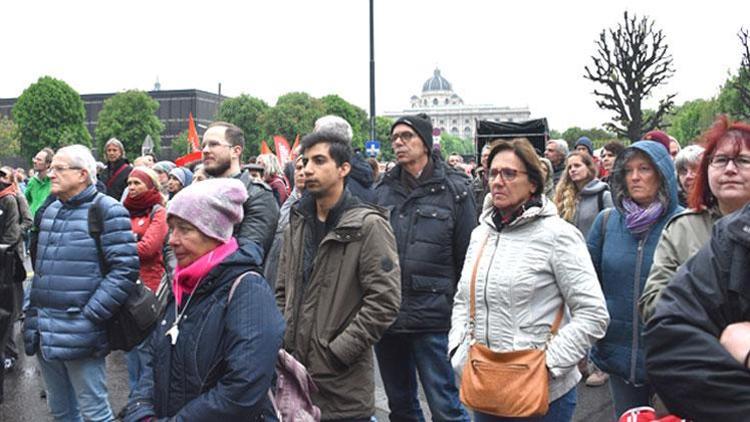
{"x":70,"y":297}
{"x":223,"y":363}
{"x":432,"y":225}
{"x":623,"y":262}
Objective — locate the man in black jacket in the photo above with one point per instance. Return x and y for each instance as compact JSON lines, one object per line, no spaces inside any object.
{"x":432,"y":213}
{"x":698,"y":341}
{"x":222,"y":148}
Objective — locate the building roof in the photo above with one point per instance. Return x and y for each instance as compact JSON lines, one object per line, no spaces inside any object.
{"x":437,"y":83}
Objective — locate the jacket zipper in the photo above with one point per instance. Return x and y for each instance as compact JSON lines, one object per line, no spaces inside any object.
{"x":486,"y":301}
{"x":298,"y":284}
{"x":636,"y":288}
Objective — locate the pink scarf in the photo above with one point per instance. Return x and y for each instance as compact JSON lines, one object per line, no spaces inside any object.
{"x":187,"y":279}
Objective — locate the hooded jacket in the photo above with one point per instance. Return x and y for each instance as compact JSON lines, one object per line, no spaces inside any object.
{"x":692,"y":372}
{"x":223,"y":363}
{"x":360,"y":181}
{"x":71,"y":298}
{"x":594,"y":197}
{"x":432,"y":225}
{"x":337,"y":312}
{"x":526,"y":271}
{"x":623,"y":261}
{"x":261,"y":214}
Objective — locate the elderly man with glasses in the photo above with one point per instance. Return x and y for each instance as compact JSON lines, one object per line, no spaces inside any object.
{"x":73,"y":294}
{"x":432,"y":213}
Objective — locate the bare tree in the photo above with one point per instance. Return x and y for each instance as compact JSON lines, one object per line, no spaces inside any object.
{"x":631,"y":60}
{"x":742,"y":82}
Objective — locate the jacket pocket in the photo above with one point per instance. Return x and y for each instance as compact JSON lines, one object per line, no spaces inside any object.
{"x":421,"y":283}
{"x":432,"y":225}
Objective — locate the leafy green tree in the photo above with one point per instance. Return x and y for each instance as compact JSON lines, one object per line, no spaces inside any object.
{"x":333,"y":104}
{"x":383,"y":135}
{"x":9,"y":145}
{"x":691,"y":119}
{"x":129,"y":116}
{"x":630,"y":62}
{"x":597,"y":136}
{"x":452,"y":144}
{"x":245,"y":111}
{"x":49,"y":113}
{"x":180,"y":144}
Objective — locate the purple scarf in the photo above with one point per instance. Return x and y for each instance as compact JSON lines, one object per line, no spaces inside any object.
{"x":639,"y":220}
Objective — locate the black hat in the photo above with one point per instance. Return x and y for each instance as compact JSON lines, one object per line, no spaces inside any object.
{"x":421,"y":124}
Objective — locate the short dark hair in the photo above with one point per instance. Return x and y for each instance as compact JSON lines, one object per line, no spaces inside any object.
{"x":525,"y":152}
{"x":234,"y":134}
{"x":339,"y":148}
{"x":615,"y":147}
{"x":49,"y":153}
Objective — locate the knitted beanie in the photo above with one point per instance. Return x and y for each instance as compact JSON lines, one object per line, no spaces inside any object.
{"x":164,"y":166}
{"x":147,"y":176}
{"x":213,"y":206}
{"x":183,"y":175}
{"x":657,"y":136}
{"x":421,"y":124}
{"x":587,"y":143}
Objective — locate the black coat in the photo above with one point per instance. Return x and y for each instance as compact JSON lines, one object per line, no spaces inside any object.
{"x":433,"y":225}
{"x":115,"y":181}
{"x":223,"y":363}
{"x":691,"y":371}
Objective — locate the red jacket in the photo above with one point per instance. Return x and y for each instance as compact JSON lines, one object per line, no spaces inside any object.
{"x":151,"y":230}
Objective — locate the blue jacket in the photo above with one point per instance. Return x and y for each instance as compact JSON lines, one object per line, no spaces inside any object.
{"x":223,"y":363}
{"x":432,"y":225}
{"x":70,"y":298}
{"x":623,"y":262}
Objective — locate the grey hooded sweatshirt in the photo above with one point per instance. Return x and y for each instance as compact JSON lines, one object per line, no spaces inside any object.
{"x":594,"y":197}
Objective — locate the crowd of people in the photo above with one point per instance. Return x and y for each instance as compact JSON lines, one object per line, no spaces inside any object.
{"x":624,"y":265}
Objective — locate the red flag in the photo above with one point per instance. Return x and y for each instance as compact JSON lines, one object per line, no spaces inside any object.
{"x":282,"y":149}
{"x":193,"y":134}
{"x":293,"y":154}
{"x":188,"y":158}
{"x":264,"y":148}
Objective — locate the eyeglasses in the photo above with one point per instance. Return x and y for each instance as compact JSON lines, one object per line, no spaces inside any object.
{"x":507,"y":174}
{"x":721,"y":161}
{"x":405,"y":136}
{"x":214,"y":144}
{"x":60,"y":169}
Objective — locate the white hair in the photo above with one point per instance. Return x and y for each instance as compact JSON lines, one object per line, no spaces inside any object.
{"x":688,"y":156}
{"x":336,"y":124}
{"x":562,"y":146}
{"x":80,"y":156}
{"x":270,"y":164}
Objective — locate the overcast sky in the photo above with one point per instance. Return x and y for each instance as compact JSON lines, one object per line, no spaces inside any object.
{"x":529,"y":53}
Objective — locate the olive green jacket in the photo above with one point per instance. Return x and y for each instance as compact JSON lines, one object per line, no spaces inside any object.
{"x":682,"y":237}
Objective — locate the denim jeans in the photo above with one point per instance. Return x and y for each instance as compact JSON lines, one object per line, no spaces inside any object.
{"x":136,"y":360}
{"x":76,"y":389}
{"x":626,"y":396}
{"x":400,"y":357}
{"x":560,"y":410}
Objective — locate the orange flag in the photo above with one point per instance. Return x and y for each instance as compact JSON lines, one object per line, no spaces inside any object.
{"x":264,"y":148}
{"x":282,"y":149}
{"x":193,"y":134}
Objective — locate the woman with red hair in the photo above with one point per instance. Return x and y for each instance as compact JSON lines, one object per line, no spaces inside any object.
{"x":722,"y":186}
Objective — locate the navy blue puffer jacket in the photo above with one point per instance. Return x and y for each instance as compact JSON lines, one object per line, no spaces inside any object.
{"x":70,"y":297}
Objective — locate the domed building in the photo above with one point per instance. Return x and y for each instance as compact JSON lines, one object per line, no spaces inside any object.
{"x":450,"y":114}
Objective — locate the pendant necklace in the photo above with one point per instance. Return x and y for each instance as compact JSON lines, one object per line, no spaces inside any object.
{"x":174,"y":331}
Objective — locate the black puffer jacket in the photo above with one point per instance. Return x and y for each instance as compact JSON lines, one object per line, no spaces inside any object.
{"x":116,"y":181}
{"x":359,"y":181}
{"x":691,"y":371}
{"x":433,"y":225}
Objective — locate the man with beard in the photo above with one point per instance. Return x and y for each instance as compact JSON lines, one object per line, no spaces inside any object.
{"x":115,"y":176}
{"x":222,"y":148}
{"x":338,"y":282}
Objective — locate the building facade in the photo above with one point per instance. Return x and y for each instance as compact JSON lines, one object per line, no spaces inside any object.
{"x":174,"y":110}
{"x":450,"y":114}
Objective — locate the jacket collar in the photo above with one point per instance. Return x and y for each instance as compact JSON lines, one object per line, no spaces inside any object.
{"x":393,"y":177}
{"x":86,"y":195}
{"x":548,"y":209}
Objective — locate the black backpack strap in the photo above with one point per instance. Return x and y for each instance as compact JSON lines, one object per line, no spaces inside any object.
{"x":96,"y":227}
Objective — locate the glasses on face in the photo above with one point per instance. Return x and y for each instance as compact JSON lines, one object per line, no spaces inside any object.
{"x":60,"y":169}
{"x":405,"y":136}
{"x":684,"y":171}
{"x":721,"y":161}
{"x":507,"y":174}
{"x":214,"y":144}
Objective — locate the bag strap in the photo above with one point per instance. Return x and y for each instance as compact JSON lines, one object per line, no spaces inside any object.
{"x":96,"y":227}
{"x":114,"y":176}
{"x":237,"y":283}
{"x":473,"y":288}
